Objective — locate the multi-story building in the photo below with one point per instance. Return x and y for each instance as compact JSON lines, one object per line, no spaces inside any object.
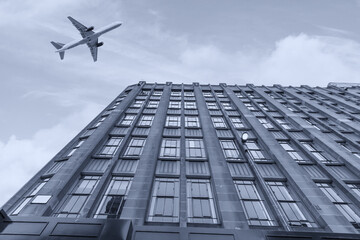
{"x":192,"y":161}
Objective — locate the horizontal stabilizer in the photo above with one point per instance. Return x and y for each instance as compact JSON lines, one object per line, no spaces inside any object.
{"x":57,"y":45}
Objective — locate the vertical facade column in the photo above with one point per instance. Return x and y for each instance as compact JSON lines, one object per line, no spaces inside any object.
{"x":229,"y":207}
{"x":322,"y":209}
{"x":136,"y":205}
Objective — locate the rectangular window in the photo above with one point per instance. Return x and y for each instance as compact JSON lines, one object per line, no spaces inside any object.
{"x":194,"y":148}
{"x":254,"y":151}
{"x":230,"y":150}
{"x":355,"y":188}
{"x":137,"y":104}
{"x":31,"y":196}
{"x":227,"y":105}
{"x":343,"y":206}
{"x":189,"y":94}
{"x":316,"y":153}
{"x":153,"y":104}
{"x":135,"y":147}
{"x":170,"y":148}
{"x":128,"y":119}
{"x":80,"y":142}
{"x":111,"y":146}
{"x":146,"y":120}
{"x":172,"y":121}
{"x":157,"y":93}
{"x":254,"y":207}
{"x":236,"y":121}
{"x":308,"y":121}
{"x":249,"y":106}
{"x":292,"y":152}
{"x":189,"y":105}
{"x":164,"y":205}
{"x":99,"y":122}
{"x":200,"y":202}
{"x":283,"y":123}
{"x":175,"y":104}
{"x":219,"y":93}
{"x":176,"y":93}
{"x":207,"y":94}
{"x":114,"y":198}
{"x":264,"y":106}
{"x":192,"y":121}
{"x":265,"y":123}
{"x":212,"y":105}
{"x":76,"y":201}
{"x":289,"y":206}
{"x":218,"y":122}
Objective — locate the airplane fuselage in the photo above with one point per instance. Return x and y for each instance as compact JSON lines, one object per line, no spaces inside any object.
{"x":91,"y":38}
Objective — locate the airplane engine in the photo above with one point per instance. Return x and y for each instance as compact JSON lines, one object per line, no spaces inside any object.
{"x":90,"y":29}
{"x":100,"y":44}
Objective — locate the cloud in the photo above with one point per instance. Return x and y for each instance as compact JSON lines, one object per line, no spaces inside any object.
{"x":294,"y":60}
{"x":21,"y":159}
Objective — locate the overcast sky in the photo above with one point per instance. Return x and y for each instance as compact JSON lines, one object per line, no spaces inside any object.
{"x":44,"y":101}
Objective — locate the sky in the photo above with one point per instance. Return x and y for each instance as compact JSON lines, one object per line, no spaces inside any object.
{"x":45,"y":102}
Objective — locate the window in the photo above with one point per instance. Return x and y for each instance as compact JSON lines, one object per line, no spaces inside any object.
{"x":146,"y":120}
{"x":342,"y":205}
{"x":164,"y":205}
{"x":80,"y":142}
{"x":236,"y":121}
{"x":200,"y":202}
{"x":172,"y":121}
{"x":137,"y":104}
{"x":114,"y":198}
{"x":192,"y":121}
{"x":194,"y":148}
{"x":100,"y":121}
{"x":135,"y":147}
{"x":316,"y":153}
{"x":227,"y":105}
{"x":157,"y":93}
{"x":255,"y":210}
{"x":219,"y":93}
{"x":175,"y":93}
{"x":212,"y":105}
{"x":153,"y":104}
{"x":207,"y":94}
{"x":264,"y":106}
{"x":239,"y":95}
{"x":76,"y":201}
{"x":32,"y":196}
{"x":283,"y":123}
{"x":111,"y":146}
{"x":249,"y":106}
{"x":292,"y":152}
{"x":230,"y":150}
{"x":355,"y":188}
{"x":170,"y":147}
{"x":308,"y":121}
{"x":254,"y":151}
{"x":265,"y":123}
{"x":190,"y":105}
{"x":189,"y":94}
{"x":174,"y":104}
{"x":128,"y":119}
{"x":289,"y":206}
{"x":55,"y":167}
{"x":218,"y":122}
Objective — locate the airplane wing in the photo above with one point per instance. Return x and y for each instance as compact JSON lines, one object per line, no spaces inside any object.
{"x":82,"y":29}
{"x":93,"y":49}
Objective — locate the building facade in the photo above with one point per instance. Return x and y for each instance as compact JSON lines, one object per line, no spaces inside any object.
{"x":170,"y":161}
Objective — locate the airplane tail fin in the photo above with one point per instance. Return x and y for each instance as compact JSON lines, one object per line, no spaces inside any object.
{"x":59,"y":46}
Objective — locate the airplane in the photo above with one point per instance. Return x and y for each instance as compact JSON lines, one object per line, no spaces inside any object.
{"x":88,"y":36}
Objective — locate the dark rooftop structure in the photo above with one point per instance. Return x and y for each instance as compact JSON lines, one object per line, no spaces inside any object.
{"x":194,"y":161}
